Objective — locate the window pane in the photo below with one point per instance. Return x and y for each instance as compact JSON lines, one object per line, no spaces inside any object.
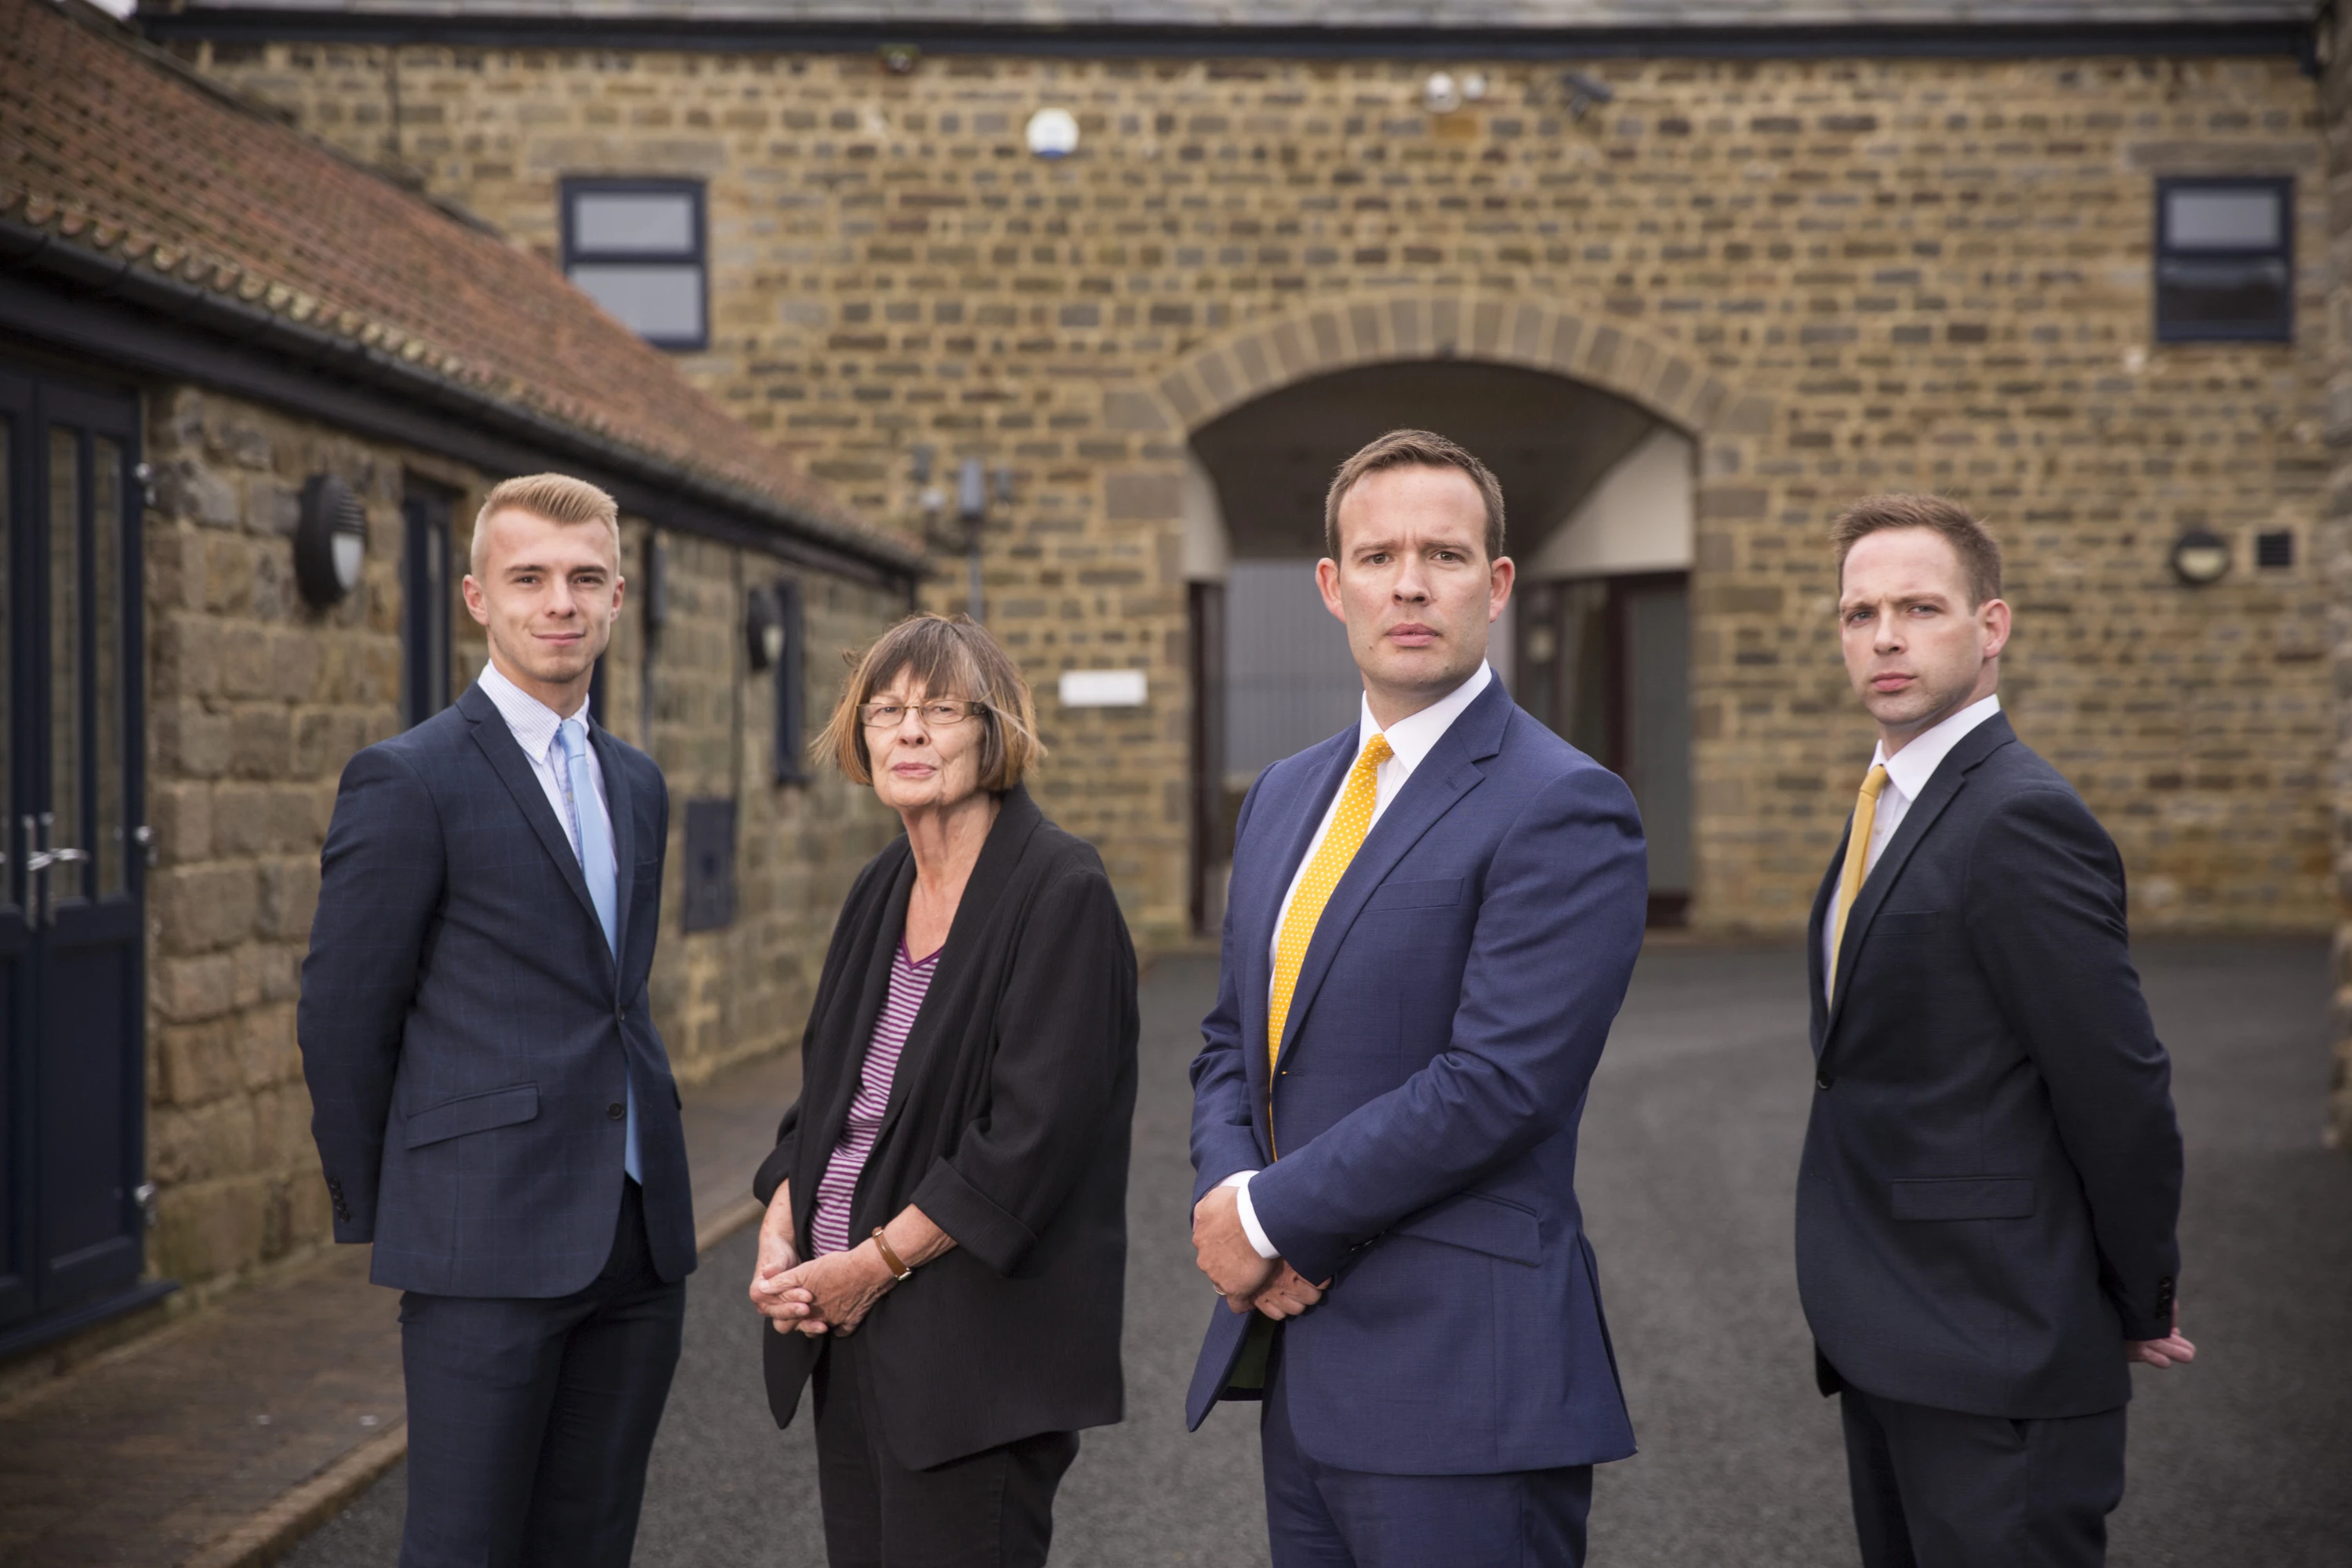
{"x":65,"y":656}
{"x":659,"y":302}
{"x":636,"y":223}
{"x":109,"y":846}
{"x":2218,"y":299}
{"x":2224,"y":220}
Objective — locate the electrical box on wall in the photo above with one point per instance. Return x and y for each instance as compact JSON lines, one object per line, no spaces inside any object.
{"x":709,"y":864}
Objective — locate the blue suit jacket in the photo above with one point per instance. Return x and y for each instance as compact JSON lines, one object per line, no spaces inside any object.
{"x":466,"y":1031}
{"x":1445,"y":1025}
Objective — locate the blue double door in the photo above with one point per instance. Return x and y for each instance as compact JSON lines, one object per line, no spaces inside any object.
{"x":73,"y":833}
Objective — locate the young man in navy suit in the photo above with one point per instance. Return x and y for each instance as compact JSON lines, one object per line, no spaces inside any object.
{"x":1432,"y":922}
{"x":1986,"y":1205}
{"x":492,"y":1106}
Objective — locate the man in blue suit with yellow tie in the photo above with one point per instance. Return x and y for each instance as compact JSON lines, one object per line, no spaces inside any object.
{"x":1432,"y":922}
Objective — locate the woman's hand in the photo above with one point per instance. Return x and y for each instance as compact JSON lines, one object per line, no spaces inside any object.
{"x":831,"y":1294}
{"x":777,"y":1258}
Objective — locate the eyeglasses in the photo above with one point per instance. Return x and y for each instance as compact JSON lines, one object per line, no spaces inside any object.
{"x":890,"y":715}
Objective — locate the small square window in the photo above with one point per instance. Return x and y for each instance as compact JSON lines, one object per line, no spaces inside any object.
{"x":2224,"y":260}
{"x":2275,"y":550}
{"x":636,"y":247}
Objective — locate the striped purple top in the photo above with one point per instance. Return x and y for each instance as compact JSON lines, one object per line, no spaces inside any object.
{"x":829,"y":1226}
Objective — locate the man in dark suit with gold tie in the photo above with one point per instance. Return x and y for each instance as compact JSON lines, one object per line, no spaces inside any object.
{"x":1990,"y":1179}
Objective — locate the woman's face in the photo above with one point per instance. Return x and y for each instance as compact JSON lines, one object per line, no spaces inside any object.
{"x":919,"y":765}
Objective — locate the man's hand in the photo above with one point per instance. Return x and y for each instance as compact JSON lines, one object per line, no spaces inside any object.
{"x":2164,"y":1351}
{"x":1288,"y":1294}
{"x":1225,"y":1253}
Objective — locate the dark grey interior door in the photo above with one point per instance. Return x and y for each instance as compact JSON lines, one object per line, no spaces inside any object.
{"x":72,"y":800}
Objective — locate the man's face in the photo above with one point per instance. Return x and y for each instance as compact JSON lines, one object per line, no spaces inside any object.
{"x":1413,"y":584}
{"x":547,"y":593}
{"x":1916,"y":649}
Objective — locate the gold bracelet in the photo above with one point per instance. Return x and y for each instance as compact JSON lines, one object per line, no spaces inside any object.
{"x":899,"y":1270}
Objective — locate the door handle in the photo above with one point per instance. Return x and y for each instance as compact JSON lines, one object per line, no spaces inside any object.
{"x":42,"y":908}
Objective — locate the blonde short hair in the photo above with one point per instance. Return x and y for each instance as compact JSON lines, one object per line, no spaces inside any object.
{"x":558,"y":498}
{"x":950,"y":657}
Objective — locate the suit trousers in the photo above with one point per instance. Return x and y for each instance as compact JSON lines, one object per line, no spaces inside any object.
{"x":1318,"y":1516}
{"x":529,"y":1421}
{"x":1938,"y":1489}
{"x":989,"y":1509}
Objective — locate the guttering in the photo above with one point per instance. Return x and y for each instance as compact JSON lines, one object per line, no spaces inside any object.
{"x":93,"y":278}
{"x":481,"y":27}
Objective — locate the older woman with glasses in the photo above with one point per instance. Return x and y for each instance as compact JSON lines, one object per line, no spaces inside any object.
{"x":945,"y":1245}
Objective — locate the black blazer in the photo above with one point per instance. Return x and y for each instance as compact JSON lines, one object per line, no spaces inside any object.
{"x":467,"y":1035}
{"x":1991,"y":1176}
{"x":1008,"y":1125}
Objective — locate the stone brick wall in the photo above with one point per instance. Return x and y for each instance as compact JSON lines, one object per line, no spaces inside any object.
{"x":1840,"y":276}
{"x":256,"y":701}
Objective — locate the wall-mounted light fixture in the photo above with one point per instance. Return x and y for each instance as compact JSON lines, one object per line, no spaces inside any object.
{"x":1052,"y":133}
{"x":763,"y":630}
{"x":1585,"y":92}
{"x":2200,"y":558}
{"x":330,"y":541}
{"x":898,"y":59}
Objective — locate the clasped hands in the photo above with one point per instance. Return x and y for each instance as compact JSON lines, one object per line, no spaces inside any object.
{"x":827,"y":1294}
{"x":1243,"y":1279}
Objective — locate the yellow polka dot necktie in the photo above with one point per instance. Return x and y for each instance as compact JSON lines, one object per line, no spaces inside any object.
{"x":1857,"y":861}
{"x":1349,"y":826}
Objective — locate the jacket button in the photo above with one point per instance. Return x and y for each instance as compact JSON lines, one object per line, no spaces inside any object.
{"x":616,"y":1110}
{"x":1823,"y":1080}
{"x":620,"y":1014}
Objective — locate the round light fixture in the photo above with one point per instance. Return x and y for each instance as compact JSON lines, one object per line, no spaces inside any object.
{"x":1441,"y":94}
{"x":330,"y":541}
{"x":2199,"y":558}
{"x":1052,"y":133}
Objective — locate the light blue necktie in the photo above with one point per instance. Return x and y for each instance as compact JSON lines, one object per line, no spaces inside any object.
{"x":592,"y":830}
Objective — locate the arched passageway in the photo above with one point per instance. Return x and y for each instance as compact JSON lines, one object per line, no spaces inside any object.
{"x":1598,"y":490}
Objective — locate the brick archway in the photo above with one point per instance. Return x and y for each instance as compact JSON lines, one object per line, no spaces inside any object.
{"x":1511,"y":329}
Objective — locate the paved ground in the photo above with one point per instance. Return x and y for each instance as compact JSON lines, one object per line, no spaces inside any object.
{"x":1690,"y":1153}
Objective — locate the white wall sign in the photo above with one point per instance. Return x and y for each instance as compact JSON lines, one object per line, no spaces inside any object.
{"x":1102,"y":688}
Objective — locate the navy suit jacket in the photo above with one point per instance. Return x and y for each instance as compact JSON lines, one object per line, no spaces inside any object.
{"x":1991,"y":1173}
{"x":1446,"y":1022}
{"x":466,"y":1031}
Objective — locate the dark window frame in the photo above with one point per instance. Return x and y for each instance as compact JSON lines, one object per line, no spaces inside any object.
{"x":572,"y":186}
{"x":425,"y":690}
{"x":791,"y":760}
{"x":2279,"y":330}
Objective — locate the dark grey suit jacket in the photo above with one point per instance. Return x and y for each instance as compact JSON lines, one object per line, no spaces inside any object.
{"x":1991,"y":1180}
{"x":466,"y":1031}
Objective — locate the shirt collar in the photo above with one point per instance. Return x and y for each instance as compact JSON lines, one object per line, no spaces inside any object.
{"x":1411,"y":739}
{"x":1910,"y":769}
{"x":534,"y":723}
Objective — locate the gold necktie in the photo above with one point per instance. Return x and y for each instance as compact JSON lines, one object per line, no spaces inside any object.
{"x":1349,"y":826}
{"x":1857,"y":860}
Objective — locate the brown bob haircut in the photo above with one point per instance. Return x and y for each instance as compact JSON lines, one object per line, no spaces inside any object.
{"x":947,"y":656}
{"x":1979,"y":552}
{"x":1412,"y":448}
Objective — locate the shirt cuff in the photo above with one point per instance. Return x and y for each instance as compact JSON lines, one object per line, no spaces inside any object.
{"x":1239,"y":1181}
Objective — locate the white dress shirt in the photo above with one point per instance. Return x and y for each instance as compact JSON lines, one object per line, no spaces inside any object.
{"x":534,"y":725}
{"x":1411,"y":740}
{"x":1907,"y":773}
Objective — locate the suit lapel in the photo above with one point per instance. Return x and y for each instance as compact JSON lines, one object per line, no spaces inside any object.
{"x":618,"y":801}
{"x":1449,"y":771}
{"x":1263,"y":917}
{"x":1950,"y":775}
{"x":497,"y":743}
